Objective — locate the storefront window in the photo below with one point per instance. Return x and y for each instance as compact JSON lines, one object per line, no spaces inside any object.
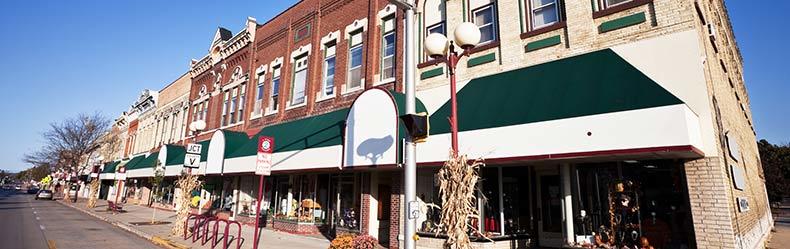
{"x":624,"y":204}
{"x":428,"y":194}
{"x":490,"y":201}
{"x":348,"y":201}
{"x":516,"y":200}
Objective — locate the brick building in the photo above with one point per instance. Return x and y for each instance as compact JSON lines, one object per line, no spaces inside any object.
{"x":607,"y":121}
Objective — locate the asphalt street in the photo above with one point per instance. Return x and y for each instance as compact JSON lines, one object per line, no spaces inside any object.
{"x":26,"y":223}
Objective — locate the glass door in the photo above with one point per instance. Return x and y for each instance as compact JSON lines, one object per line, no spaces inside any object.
{"x":549,"y":208}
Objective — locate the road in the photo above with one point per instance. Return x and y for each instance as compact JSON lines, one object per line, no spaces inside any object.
{"x":26,"y":223}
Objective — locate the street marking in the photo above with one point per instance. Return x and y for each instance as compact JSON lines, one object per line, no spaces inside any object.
{"x":37,"y":218}
{"x":41,"y":226}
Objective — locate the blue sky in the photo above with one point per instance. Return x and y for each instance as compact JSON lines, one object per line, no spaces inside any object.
{"x":61,"y":58}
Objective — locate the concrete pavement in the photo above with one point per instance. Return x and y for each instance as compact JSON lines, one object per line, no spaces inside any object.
{"x":780,"y":236}
{"x":161,"y":233}
{"x":26,"y":223}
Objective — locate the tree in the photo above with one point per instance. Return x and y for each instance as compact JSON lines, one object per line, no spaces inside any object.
{"x":35,"y":173}
{"x":159,"y":175}
{"x":69,"y":143}
{"x":776,"y":167}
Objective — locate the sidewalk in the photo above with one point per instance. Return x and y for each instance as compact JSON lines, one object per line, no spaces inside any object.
{"x":161,"y":233}
{"x":780,"y":236}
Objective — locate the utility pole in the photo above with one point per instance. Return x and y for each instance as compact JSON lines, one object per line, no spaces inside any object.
{"x":410,"y":152}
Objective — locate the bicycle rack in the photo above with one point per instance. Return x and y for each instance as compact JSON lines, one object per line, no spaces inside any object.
{"x":186,"y":224}
{"x":238,"y":234}
{"x":197,"y":225}
{"x":214,"y":238}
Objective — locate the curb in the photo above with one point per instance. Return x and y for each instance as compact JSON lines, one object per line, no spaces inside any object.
{"x":155,"y":239}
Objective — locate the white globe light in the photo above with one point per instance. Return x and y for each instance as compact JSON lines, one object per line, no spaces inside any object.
{"x":200,"y":125}
{"x":467,"y":35}
{"x":436,"y":45}
{"x":192,"y":126}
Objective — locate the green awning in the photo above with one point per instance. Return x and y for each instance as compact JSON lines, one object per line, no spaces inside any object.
{"x":110,"y":167}
{"x":132,"y":164}
{"x":175,"y":155}
{"x":234,"y":140}
{"x":312,"y":132}
{"x":203,"y":151}
{"x":148,"y":162}
{"x":589,"y":84}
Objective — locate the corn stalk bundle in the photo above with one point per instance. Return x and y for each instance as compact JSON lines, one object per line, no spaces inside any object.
{"x":457,"y":186}
{"x":186,"y":184}
{"x":94,"y":190}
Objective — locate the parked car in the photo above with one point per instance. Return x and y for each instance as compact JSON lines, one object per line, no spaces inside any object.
{"x":44,"y":194}
{"x":32,"y":191}
{"x":17,"y":187}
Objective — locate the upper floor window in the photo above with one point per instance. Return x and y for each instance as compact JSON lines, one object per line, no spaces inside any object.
{"x":355,"y":76}
{"x":242,"y":101}
{"x":543,"y":13}
{"x":388,"y":48}
{"x":486,"y":19}
{"x":328,"y":82}
{"x":610,"y":3}
{"x":434,"y":19}
{"x":299,"y":81}
{"x":225,"y":107}
{"x":273,"y":99}
{"x":257,"y":107}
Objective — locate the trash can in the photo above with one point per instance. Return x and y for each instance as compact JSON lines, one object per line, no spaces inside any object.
{"x":262,"y":219}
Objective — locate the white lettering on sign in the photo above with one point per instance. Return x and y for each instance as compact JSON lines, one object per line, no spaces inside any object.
{"x":194,"y":148}
{"x":192,"y":160}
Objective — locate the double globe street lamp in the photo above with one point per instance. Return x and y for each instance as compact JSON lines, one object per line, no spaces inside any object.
{"x":467,"y":36}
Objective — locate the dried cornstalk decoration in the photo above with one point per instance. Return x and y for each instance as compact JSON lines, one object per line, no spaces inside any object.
{"x":457,"y":186}
{"x":186,"y":184}
{"x":94,"y":190}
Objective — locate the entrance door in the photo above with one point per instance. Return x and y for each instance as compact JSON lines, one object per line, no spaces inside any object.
{"x":550,"y":209}
{"x":384,"y":214}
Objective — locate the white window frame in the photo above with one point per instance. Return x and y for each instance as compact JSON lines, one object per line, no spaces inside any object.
{"x":299,"y":66}
{"x":225,"y":102}
{"x":260,"y":95}
{"x":330,"y":52}
{"x":533,"y":8}
{"x":494,"y":21}
{"x":605,"y":4}
{"x":387,"y":30}
{"x":352,"y":47}
{"x":274,"y":99}
{"x":242,"y":102}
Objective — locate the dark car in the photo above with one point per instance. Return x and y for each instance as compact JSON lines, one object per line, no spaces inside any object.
{"x":44,"y":195}
{"x":32,"y":191}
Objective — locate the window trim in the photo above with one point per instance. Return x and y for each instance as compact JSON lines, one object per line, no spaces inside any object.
{"x":601,"y":12}
{"x":382,"y":57}
{"x":531,"y":15}
{"x":274,"y":107}
{"x":322,"y":91}
{"x":296,"y":70}
{"x":495,"y":22}
{"x":351,"y":47}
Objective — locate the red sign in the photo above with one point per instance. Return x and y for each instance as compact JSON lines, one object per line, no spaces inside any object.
{"x":265,"y":144}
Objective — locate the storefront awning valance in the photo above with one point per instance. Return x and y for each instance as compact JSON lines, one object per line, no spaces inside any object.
{"x":173,"y":155}
{"x":224,"y":142}
{"x":132,"y":163}
{"x":586,"y":105}
{"x":110,"y":167}
{"x":313,"y":142}
{"x":594,"y":83}
{"x":172,"y":158}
